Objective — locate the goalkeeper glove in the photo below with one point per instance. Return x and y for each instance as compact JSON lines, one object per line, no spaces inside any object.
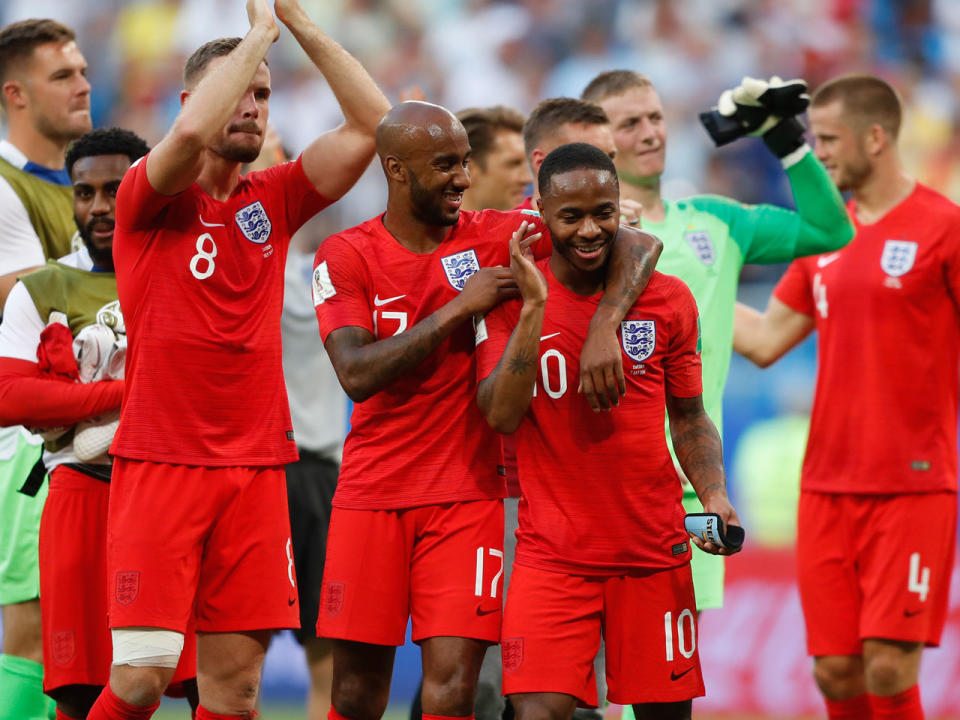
{"x":760,"y":107}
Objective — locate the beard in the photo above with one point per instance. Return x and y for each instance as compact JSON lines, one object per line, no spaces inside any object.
{"x":102,"y":256}
{"x":66,"y":131}
{"x":426,"y":205}
{"x":235,"y":151}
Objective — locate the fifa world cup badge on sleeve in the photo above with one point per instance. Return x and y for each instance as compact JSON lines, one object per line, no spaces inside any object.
{"x":323,"y":288}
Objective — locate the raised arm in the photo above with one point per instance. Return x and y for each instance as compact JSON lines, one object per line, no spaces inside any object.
{"x":634,"y":257}
{"x":365,"y":365}
{"x":763,"y":338}
{"x":697,"y":444}
{"x":504,"y":395}
{"x":175,"y":162}
{"x":335,"y":160}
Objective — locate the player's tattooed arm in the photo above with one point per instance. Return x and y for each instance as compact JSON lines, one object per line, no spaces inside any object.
{"x":634,"y":257}
{"x":697,"y":444}
{"x":209,"y":102}
{"x":336,"y":159}
{"x":764,"y":338}
{"x":365,"y":365}
{"x":504,"y":395}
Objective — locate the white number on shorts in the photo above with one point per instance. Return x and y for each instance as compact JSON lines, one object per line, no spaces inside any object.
{"x":478,"y":588}
{"x":681,"y":634}
{"x":918,"y":581}
{"x":206,"y":256}
{"x":545,"y":374}
{"x":290,"y":562}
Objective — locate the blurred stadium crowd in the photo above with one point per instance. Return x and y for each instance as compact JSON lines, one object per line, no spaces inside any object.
{"x":465,"y":53}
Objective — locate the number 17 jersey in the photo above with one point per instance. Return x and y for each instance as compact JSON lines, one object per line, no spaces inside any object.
{"x":201,"y":288}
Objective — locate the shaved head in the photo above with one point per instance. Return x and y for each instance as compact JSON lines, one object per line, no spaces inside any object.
{"x":415,"y":126}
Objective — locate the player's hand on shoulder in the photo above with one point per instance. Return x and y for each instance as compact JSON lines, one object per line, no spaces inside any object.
{"x":532,"y":283}
{"x":718,"y":502}
{"x":601,"y":370}
{"x":487,"y":288}
{"x":260,"y":16}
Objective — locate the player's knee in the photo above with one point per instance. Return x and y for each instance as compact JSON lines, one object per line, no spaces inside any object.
{"x":839,"y":676}
{"x":888,"y":674}
{"x":140,"y":686}
{"x":533,"y":709}
{"x":452,"y":694}
{"x":358,"y":698}
{"x":75,"y":701}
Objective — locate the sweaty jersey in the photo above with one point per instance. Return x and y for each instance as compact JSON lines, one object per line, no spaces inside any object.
{"x":421,"y":440}
{"x":600,"y":495}
{"x":201,"y":287}
{"x":707,"y":239}
{"x":885,"y":411}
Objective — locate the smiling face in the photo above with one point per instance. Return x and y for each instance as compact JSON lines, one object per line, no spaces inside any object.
{"x":501,"y":181}
{"x":242,"y":137}
{"x":582,"y":210}
{"x":54,"y":91}
{"x":839,"y":146}
{"x":95,"y":182}
{"x":438,"y":174}
{"x":639,"y":131}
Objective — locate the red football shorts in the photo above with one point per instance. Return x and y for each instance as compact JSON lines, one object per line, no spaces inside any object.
{"x":874,"y":566}
{"x":648,"y":621}
{"x":216,"y":540}
{"x":77,"y":649}
{"x":441,"y":565}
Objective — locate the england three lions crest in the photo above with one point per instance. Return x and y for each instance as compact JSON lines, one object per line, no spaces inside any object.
{"x":639,"y":338}
{"x":254,"y":223}
{"x":898,"y":257}
{"x":702,"y":246}
{"x":459,"y":267}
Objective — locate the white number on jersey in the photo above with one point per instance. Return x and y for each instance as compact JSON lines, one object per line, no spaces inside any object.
{"x":206,"y":256}
{"x":919,"y":580}
{"x":561,"y":387}
{"x":681,"y":634}
{"x":388,"y":315}
{"x":478,"y":589}
{"x":820,"y":295}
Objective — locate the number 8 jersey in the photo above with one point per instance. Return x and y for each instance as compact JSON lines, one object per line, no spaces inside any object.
{"x":201,"y":288}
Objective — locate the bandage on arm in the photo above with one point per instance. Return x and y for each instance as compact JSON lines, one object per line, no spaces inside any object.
{"x":28,"y":397}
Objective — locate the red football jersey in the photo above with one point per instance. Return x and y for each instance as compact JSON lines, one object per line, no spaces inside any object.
{"x":600,"y":495}
{"x":885,"y":410}
{"x":421,"y":440}
{"x":201,"y":288}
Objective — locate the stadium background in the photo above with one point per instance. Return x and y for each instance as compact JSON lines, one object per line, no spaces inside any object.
{"x":481,"y":52}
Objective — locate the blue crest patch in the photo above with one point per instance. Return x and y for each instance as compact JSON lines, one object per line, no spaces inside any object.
{"x":639,"y":338}
{"x":702,"y":246}
{"x":459,"y":267}
{"x":254,"y":223}
{"x":898,"y":257}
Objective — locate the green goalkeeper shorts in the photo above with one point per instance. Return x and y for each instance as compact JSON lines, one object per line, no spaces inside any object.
{"x":707,"y":569}
{"x":19,"y":518}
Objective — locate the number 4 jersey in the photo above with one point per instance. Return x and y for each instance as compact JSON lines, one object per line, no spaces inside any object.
{"x":600,"y":495}
{"x":201,"y":289}
{"x":885,"y":413}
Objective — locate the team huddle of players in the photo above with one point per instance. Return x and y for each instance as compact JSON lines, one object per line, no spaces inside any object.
{"x":150,"y":360}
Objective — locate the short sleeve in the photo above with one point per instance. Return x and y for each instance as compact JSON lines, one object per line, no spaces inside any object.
{"x":492,"y":333}
{"x":682,"y":367}
{"x":507,"y":224}
{"x":794,"y":289}
{"x":21,"y":326}
{"x":138,"y":204}
{"x":20,"y":248}
{"x":293,"y":191}
{"x":340,"y":287}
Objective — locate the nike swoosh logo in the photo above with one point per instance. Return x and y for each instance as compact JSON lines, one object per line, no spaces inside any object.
{"x":481,"y":611}
{"x":909,"y":613}
{"x":827,"y":259}
{"x":291,"y":601}
{"x":206,"y":224}
{"x":378,"y":302}
{"x":677,"y":676}
{"x":547,"y":337}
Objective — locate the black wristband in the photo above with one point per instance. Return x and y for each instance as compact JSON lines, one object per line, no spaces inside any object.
{"x":785,"y":137}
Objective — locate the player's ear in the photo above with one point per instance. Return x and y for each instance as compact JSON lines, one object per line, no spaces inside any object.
{"x":13,"y":95}
{"x":536,"y":160}
{"x":394,"y":169}
{"x":876,"y":139}
{"x":184,"y":94}
{"x":540,"y":206}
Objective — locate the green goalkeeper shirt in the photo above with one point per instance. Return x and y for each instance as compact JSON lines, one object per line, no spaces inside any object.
{"x":707,"y":239}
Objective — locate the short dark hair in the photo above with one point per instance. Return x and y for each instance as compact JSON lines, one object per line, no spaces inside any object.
{"x":197,"y":63}
{"x":18,"y":40}
{"x":574,"y":156}
{"x":106,"y":141}
{"x":482,"y":126}
{"x":554,"y":113}
{"x":614,"y":82}
{"x":866,"y":100}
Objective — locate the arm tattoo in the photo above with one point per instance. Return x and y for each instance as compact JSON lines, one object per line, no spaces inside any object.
{"x":520,"y":363}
